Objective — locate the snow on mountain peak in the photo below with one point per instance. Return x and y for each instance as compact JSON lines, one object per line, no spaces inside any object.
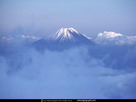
{"x":70,"y":36}
{"x":64,"y":33}
{"x":65,"y":30}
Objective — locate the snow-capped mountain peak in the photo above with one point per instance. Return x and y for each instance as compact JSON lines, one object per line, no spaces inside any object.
{"x":63,"y":39}
{"x":68,"y":37}
{"x":65,"y":33}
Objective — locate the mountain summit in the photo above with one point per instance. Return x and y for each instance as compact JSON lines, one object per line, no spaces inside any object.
{"x":65,"y":33}
{"x":70,"y":35}
{"x":64,"y":38}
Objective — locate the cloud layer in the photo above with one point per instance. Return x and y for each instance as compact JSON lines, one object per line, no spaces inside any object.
{"x":98,"y":71}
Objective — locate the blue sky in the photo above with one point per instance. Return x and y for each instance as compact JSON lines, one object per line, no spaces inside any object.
{"x":87,"y":16}
{"x":31,"y":69}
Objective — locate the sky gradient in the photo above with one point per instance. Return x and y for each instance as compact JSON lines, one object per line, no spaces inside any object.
{"x":69,"y":65}
{"x":87,"y":16}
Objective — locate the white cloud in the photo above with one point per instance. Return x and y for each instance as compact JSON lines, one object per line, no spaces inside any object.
{"x":106,"y":34}
{"x":96,"y":72}
{"x":68,"y":74}
{"x":30,"y":37}
{"x":114,"y":38}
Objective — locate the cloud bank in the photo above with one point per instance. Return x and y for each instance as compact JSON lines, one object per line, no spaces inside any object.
{"x":104,"y":70}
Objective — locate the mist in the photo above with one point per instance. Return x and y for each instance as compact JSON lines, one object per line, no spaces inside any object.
{"x":101,"y":71}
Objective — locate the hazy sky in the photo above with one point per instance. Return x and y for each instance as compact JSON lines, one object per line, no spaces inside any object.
{"x":87,"y":16}
{"x":41,"y":70}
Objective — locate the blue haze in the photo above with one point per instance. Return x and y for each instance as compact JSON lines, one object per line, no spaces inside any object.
{"x":105,"y":70}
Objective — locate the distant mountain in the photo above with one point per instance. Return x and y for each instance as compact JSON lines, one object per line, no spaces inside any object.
{"x":63,"y":39}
